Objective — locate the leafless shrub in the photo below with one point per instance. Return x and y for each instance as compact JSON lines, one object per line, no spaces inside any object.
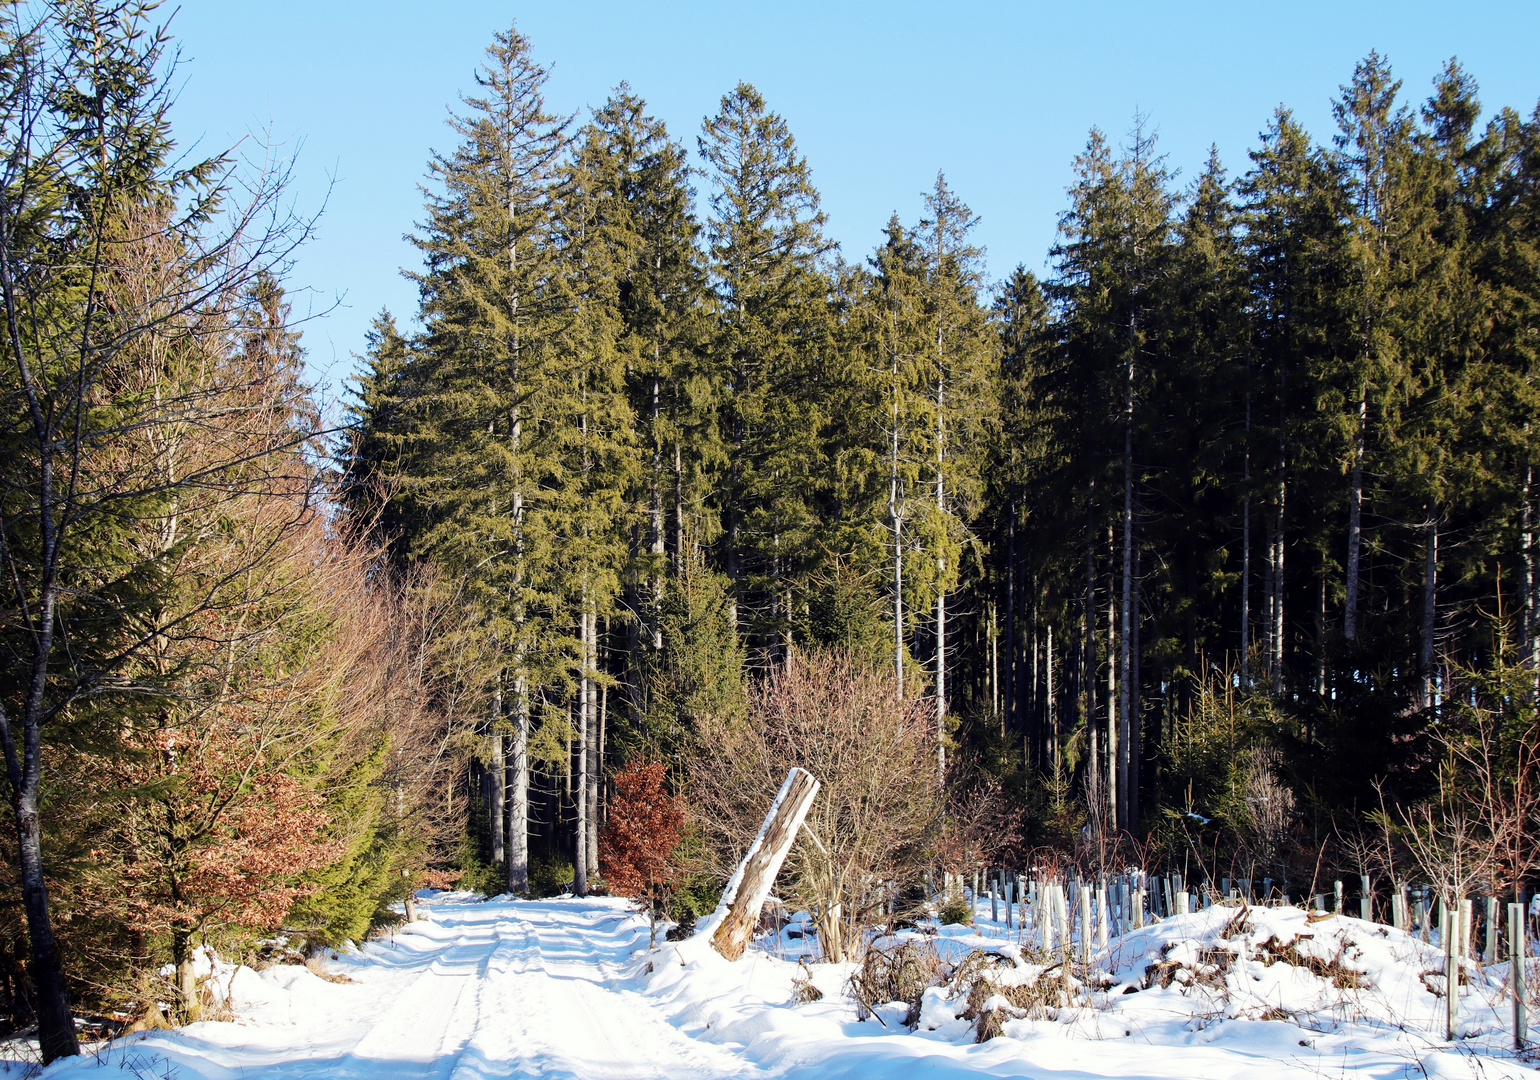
{"x":873,"y":753}
{"x":980,"y":828}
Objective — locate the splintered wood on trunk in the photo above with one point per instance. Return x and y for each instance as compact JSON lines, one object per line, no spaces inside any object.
{"x":750,"y":886}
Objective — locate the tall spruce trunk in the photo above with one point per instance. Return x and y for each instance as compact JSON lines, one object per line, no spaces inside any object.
{"x":580,"y":784}
{"x":1425,"y":671}
{"x":1050,"y":731}
{"x":992,"y":633}
{"x":518,"y":791}
{"x":516,"y":827}
{"x":658,"y":545}
{"x":1269,"y":597}
{"x":498,"y":773}
{"x":1246,"y":553}
{"x":1114,"y":695}
{"x":597,"y":701}
{"x":1088,"y":659}
{"x":517,"y":802}
{"x":1320,"y":634}
{"x":1527,"y":540}
{"x":1127,"y":691}
{"x":1355,"y":522}
{"x":1275,"y":662}
{"x":941,"y":572}
{"x":1012,"y":721}
{"x":1134,"y":722}
{"x":678,"y":509}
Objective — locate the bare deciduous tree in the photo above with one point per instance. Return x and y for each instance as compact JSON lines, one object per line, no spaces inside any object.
{"x":873,"y":752}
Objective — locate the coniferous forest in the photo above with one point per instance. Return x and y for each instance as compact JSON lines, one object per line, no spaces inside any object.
{"x":1211,"y":548}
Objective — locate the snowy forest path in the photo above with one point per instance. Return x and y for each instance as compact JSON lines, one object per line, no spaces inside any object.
{"x":474,"y":990}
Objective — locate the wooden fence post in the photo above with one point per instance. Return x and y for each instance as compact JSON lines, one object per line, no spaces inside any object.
{"x":746,"y":893}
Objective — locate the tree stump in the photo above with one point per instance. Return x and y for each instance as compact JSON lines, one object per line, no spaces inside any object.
{"x":746,"y":893}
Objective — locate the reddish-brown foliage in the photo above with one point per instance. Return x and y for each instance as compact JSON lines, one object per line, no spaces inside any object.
{"x":222,"y":840}
{"x":636,"y":846}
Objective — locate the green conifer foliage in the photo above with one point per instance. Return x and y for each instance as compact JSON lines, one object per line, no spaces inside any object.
{"x":770,"y":350}
{"x":503,"y":441}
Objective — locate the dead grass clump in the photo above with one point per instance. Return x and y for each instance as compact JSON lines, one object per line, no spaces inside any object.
{"x":1335,"y":970}
{"x":803,"y":992}
{"x":902,"y":972}
{"x":318,"y":969}
{"x":1210,"y":969}
{"x":990,"y":1024}
{"x":991,"y":1005}
{"x":1239,"y":925}
{"x":1435,"y":982}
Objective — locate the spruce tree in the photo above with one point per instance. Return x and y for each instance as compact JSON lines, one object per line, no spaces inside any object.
{"x":766,"y":241}
{"x":498,"y":384}
{"x":958,"y":372}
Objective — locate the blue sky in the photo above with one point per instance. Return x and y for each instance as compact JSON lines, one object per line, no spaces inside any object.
{"x":879,"y":96}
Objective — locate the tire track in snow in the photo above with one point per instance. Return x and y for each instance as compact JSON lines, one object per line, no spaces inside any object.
{"x":559,"y":1019}
{"x":426,"y":1028}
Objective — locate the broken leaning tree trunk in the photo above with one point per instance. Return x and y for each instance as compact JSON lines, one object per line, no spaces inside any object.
{"x":746,"y":893}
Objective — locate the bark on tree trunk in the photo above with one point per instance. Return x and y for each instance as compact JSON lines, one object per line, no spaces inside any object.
{"x":518,"y":793}
{"x":580,"y":787}
{"x":994,"y":670}
{"x":746,"y":891}
{"x":678,"y":509}
{"x":1050,"y":730}
{"x":599,"y":699}
{"x":1276,"y":660}
{"x":56,"y":1027}
{"x":186,"y":976}
{"x":941,"y":679}
{"x":1320,"y":635}
{"x":658,"y":545}
{"x":941,"y":693}
{"x":898,"y":603}
{"x":1246,"y":556}
{"x":1429,"y":605}
{"x":1012,"y":715}
{"x":498,"y":775}
{"x":1126,"y":692}
{"x":1134,"y":722}
{"x":1527,"y":539}
{"x":1086,"y":688}
{"x":1114,"y":657}
{"x":1355,"y":524}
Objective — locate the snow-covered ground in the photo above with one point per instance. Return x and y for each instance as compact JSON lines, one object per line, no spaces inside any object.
{"x":566,"y":988}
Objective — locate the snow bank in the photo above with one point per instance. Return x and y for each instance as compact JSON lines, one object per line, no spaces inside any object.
{"x":568,"y":988}
{"x":1225,"y":992}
